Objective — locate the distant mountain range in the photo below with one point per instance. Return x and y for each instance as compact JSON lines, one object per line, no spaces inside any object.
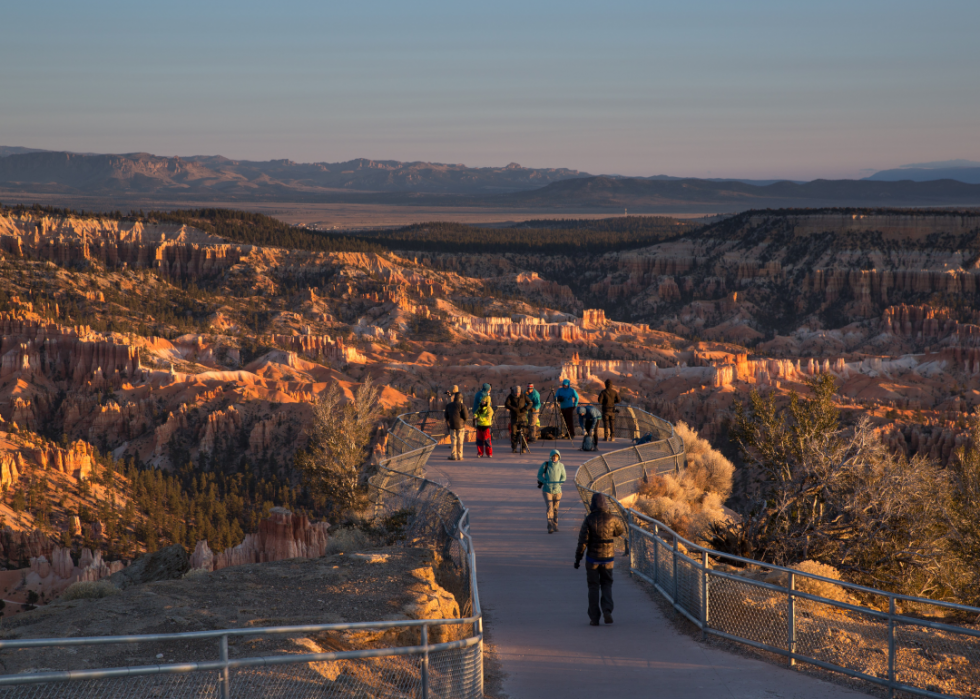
{"x":201,"y":179}
{"x":210,"y":176}
{"x":960,"y":170}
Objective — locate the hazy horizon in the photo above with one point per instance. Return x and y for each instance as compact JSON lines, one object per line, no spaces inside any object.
{"x":757,"y":90}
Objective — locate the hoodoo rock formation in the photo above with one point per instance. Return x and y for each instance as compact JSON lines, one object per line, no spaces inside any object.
{"x":281,"y":536}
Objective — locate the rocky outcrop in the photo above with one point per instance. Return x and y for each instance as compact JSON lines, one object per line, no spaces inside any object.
{"x":166,"y":564}
{"x":281,"y":536}
{"x":63,"y":354}
{"x":174,"y":250}
{"x":18,"y":546}
{"x":533,"y":329}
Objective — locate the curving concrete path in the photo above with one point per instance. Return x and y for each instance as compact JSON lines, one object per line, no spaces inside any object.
{"x":537,"y":601}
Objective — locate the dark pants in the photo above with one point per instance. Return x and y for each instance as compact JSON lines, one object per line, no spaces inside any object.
{"x":609,"y":424}
{"x":600,"y":581}
{"x":569,"y":415}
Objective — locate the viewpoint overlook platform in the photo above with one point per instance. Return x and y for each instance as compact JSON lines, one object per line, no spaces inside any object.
{"x":535,"y":601}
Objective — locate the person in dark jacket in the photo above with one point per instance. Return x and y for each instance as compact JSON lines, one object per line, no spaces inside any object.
{"x":588,"y":419}
{"x":567,"y":398}
{"x":596,"y":541}
{"x":518,"y":404}
{"x":608,"y":398}
{"x":456,"y":423}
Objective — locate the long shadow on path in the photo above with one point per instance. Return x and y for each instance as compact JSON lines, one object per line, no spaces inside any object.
{"x":538,"y":601}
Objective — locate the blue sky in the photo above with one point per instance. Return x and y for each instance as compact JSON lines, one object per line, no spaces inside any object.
{"x":705,"y":88}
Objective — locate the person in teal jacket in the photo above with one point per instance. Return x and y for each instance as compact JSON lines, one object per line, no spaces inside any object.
{"x":535,"y":411}
{"x":550,"y":477}
{"x":567,"y":398}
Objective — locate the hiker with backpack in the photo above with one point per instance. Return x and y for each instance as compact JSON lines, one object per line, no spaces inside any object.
{"x":483,"y":419}
{"x":596,"y":541}
{"x":567,"y":398}
{"x":608,"y":398}
{"x":551,"y":475}
{"x":518,"y":404}
{"x":588,"y":419}
{"x":532,"y":417}
{"x":456,"y":424}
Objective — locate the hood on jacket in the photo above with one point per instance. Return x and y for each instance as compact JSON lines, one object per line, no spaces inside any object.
{"x":555,"y":452}
{"x":581,"y":410}
{"x":486,"y":387}
{"x":566,"y":383}
{"x":598,"y":502}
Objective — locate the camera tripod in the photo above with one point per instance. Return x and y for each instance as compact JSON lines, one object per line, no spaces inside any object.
{"x":552,"y":402}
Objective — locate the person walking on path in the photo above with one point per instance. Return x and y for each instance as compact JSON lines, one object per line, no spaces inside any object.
{"x":456,"y":423}
{"x":517,"y":404}
{"x":483,"y":418}
{"x":567,"y":398}
{"x":532,"y":418}
{"x":550,"y":477}
{"x":608,"y":398}
{"x":596,"y":540}
{"x":588,"y":419}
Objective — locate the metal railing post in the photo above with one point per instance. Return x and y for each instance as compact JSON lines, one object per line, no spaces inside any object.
{"x":425,"y":661}
{"x":791,"y":623}
{"x":891,"y":646}
{"x":656,"y":555}
{"x":704,"y":595}
{"x":674,"y":556}
{"x":225,"y":682}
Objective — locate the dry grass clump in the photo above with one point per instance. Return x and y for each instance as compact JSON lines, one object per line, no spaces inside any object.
{"x":347,"y":540}
{"x":88,"y":589}
{"x":706,"y":468}
{"x":690,"y":502}
{"x":820,"y":588}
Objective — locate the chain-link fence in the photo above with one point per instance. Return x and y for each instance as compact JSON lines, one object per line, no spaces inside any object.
{"x":448,"y":669}
{"x":905,"y":644}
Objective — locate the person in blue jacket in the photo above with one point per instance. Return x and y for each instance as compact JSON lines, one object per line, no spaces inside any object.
{"x":550,"y":477}
{"x":567,"y":400}
{"x":532,"y":414}
{"x":589,"y":418}
{"x":478,"y":399}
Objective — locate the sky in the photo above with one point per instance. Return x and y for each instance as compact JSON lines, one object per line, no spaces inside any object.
{"x":701,"y":89}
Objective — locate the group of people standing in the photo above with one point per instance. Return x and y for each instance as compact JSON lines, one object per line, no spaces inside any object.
{"x":524,"y":408}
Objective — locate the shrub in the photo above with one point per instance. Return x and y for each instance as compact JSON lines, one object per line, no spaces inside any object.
{"x":347,"y":540}
{"x":840,"y":496}
{"x":87,"y":589}
{"x":690,"y":502}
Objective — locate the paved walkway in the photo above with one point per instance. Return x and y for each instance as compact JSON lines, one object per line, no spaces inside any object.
{"x":537,"y":602}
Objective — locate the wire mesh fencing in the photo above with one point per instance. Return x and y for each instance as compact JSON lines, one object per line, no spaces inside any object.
{"x":899,"y":642}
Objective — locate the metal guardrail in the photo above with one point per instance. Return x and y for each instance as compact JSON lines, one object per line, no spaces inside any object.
{"x":881,"y":637}
{"x":424,"y":670}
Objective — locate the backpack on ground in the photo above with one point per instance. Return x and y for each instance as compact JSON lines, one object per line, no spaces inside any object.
{"x":549,"y":432}
{"x":588,"y":444}
{"x":645,"y":439}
